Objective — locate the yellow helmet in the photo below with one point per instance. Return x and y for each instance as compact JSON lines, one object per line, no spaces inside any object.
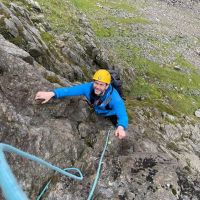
{"x":103,"y":76}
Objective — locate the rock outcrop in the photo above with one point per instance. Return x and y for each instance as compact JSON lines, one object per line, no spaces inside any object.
{"x":159,"y":159}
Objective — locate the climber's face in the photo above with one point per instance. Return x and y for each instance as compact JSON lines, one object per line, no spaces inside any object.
{"x":100,"y":87}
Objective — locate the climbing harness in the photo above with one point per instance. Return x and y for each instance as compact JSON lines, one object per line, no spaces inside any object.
{"x":99,"y":165}
{"x":8,"y":182}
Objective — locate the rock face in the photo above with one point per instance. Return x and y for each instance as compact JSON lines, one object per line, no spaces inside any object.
{"x":159,"y":159}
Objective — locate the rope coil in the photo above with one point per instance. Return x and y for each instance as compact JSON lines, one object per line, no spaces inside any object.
{"x":12,"y":190}
{"x":8,"y":183}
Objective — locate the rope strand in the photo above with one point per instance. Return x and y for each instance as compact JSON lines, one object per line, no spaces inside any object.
{"x":99,"y":166}
{"x":8,"y":182}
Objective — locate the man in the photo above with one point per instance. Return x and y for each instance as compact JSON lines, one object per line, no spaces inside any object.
{"x":105,"y":100}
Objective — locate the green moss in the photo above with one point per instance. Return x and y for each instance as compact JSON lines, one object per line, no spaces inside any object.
{"x":130,"y":105}
{"x":86,"y":5}
{"x":172,"y":145}
{"x":22,"y":3}
{"x":161,"y":86}
{"x":102,"y":31}
{"x":60,"y":15}
{"x":174,"y":192}
{"x":184,"y":63}
{"x":90,"y":5}
{"x":166,"y":100}
{"x":187,"y":168}
{"x":3,"y":29}
{"x":6,"y":2}
{"x":87,"y":73}
{"x":100,"y":11}
{"x":50,"y":41}
{"x":53,"y":79}
{"x":183,"y":103}
{"x":19,"y":41}
{"x":47,"y":37}
{"x":165,"y":74}
{"x":120,"y":5}
{"x":129,"y":20}
{"x":96,"y":15}
{"x":142,"y":88}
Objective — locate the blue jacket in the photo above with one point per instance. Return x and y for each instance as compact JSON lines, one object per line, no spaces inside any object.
{"x":110,"y":98}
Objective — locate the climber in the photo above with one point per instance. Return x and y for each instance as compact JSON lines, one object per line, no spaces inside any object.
{"x":102,"y":96}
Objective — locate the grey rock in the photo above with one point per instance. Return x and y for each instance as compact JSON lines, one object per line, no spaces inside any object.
{"x":197,"y":113}
{"x":159,"y":159}
{"x":178,"y":68}
{"x":5,"y":9}
{"x":34,"y":50}
{"x":17,"y":22}
{"x":11,"y":27}
{"x":21,"y":12}
{"x":73,"y":56}
{"x":35,"y":5}
{"x":14,"y":50}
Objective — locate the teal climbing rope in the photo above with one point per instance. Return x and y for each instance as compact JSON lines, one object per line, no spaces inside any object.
{"x":11,"y":189}
{"x":99,"y":166}
{"x":97,"y":175}
{"x":8,"y":183}
{"x":46,"y":187}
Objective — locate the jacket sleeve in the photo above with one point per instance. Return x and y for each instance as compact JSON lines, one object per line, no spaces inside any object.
{"x":77,"y":90}
{"x":120,"y":110}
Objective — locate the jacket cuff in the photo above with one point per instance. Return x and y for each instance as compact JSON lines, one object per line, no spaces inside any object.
{"x":125,"y":128}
